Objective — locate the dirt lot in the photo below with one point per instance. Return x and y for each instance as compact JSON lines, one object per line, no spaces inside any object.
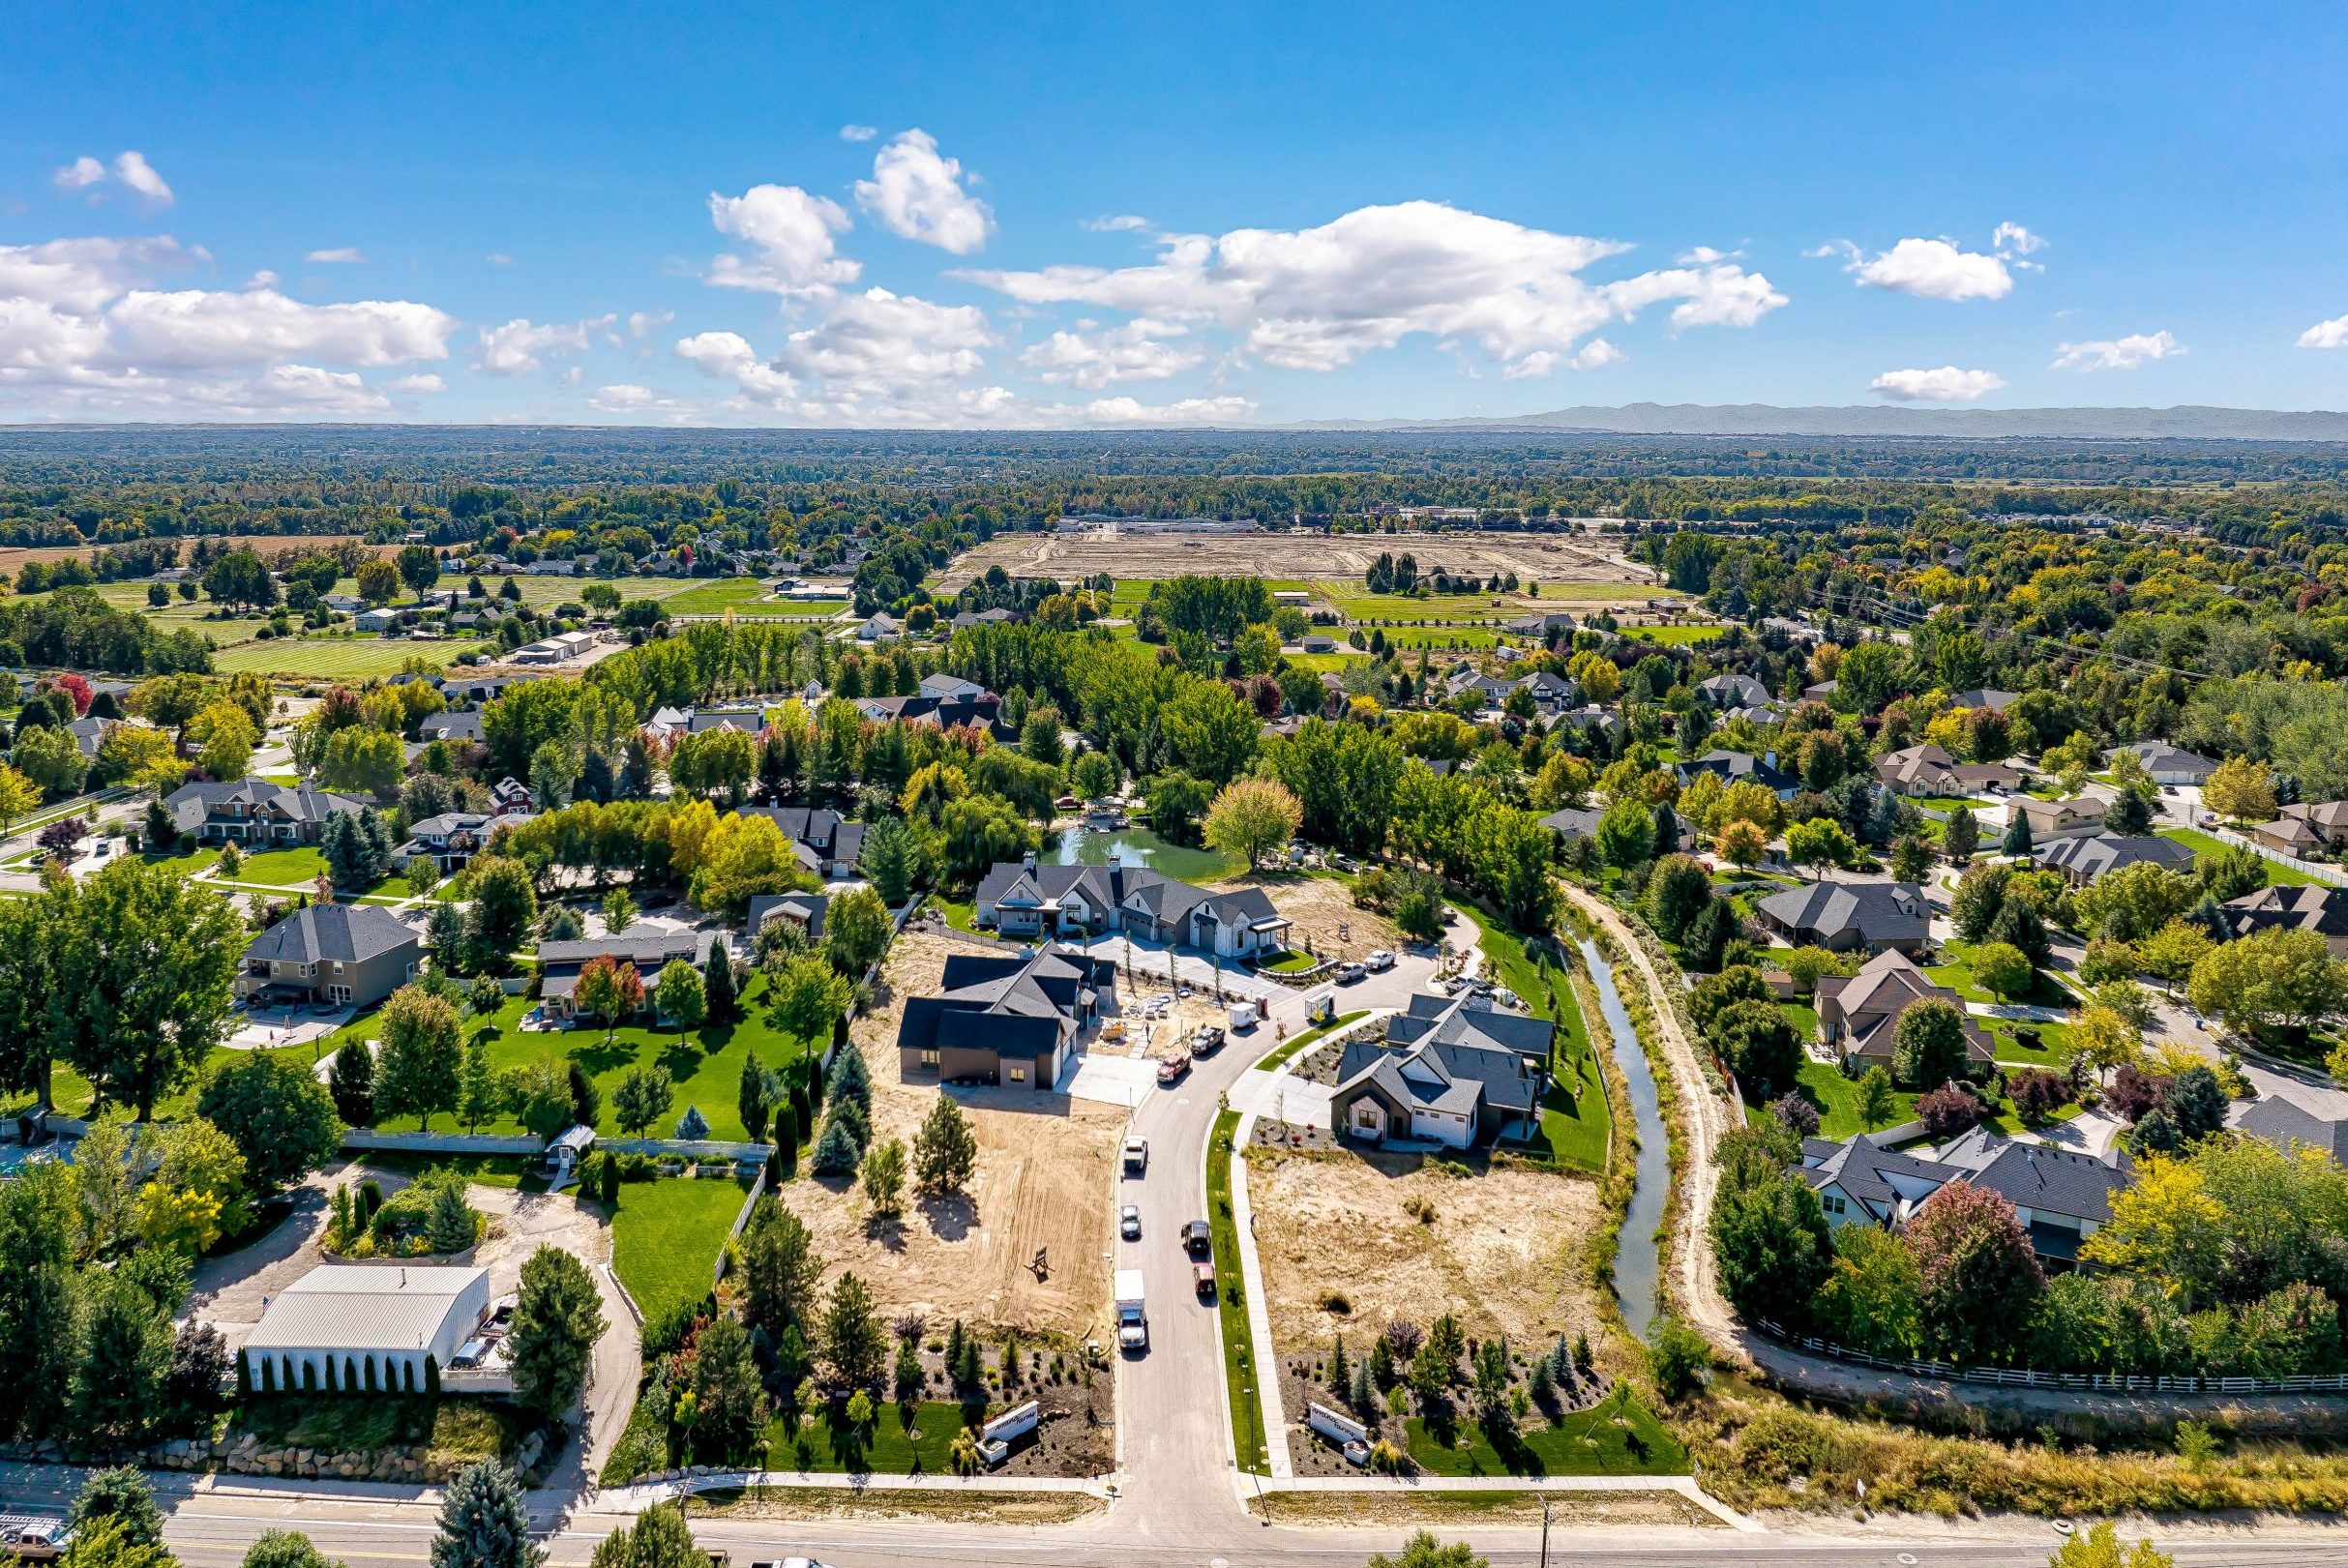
{"x":1544,"y":558}
{"x":1498,"y":1256}
{"x":1466,"y":1510}
{"x":1043,"y":1184}
{"x":1319,"y":909}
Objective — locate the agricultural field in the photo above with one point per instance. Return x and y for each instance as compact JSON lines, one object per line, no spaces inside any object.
{"x":1589,"y":568}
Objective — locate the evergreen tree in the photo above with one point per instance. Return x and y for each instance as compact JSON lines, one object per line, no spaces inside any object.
{"x":449,"y":1224}
{"x":483,"y":1095}
{"x":125,"y":1358}
{"x":849,"y":1079}
{"x":836,"y":1151}
{"x":122,"y":1496}
{"x":1709,"y":936}
{"x":557,"y":1319}
{"x":1960,"y":835}
{"x":754,"y":1096}
{"x":483,"y":1523}
{"x":945,"y":1152}
{"x":2017,"y":841}
{"x":718,"y":987}
{"x":890,"y":859}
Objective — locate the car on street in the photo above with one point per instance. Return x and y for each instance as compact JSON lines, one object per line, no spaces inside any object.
{"x":1137,"y":1157}
{"x":1350,"y":972}
{"x":1172,"y":1069}
{"x":1203,"y":1279}
{"x":1196,"y":1240}
{"x":1205,"y":1040}
{"x":1378,"y":960}
{"x":1129,"y":1223}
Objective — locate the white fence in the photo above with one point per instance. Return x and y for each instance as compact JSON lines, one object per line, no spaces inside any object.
{"x":2333,"y":1383}
{"x":2332,"y":875}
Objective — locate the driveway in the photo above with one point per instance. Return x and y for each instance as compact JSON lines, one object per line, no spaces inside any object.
{"x":1109,"y":1078}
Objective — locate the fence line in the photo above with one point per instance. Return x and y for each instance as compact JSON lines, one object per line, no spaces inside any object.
{"x":741,"y":1217}
{"x":2326,"y":874}
{"x":2332,"y":1382}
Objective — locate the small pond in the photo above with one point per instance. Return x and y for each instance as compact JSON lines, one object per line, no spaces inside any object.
{"x":1139,"y":846}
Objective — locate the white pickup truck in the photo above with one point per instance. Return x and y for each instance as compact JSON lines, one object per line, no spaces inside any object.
{"x":1132,"y":1321}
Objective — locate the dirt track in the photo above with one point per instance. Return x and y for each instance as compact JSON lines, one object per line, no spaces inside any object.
{"x":1042,"y":1182}
{"x":1545,"y":558}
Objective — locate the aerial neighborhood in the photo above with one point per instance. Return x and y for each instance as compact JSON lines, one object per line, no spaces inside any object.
{"x":925,"y":1025}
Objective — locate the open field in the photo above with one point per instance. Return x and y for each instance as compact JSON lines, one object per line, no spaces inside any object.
{"x":340,"y":658}
{"x":1567,"y":561}
{"x":14,"y":556}
{"x":1331,"y":1226}
{"x":1042,"y":1186}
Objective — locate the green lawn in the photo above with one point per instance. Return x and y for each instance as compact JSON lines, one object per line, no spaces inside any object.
{"x":706,"y":1067}
{"x":900,"y":1442}
{"x":186,"y":865}
{"x":71,"y":1092}
{"x":455,"y":1428}
{"x":665,"y":1237}
{"x":1287,"y":1050}
{"x":2053,"y":1048}
{"x":1238,"y":1350}
{"x":338,"y":657}
{"x":1619,"y":1437}
{"x":1290,"y":962}
{"x":1803,"y":1016}
{"x":2277,"y":874}
{"x":1836,"y":1098}
{"x":283,"y":868}
{"x":1574,"y":1126}
{"x":1955,"y":971}
{"x":1944,"y":802}
{"x":1676,"y":635}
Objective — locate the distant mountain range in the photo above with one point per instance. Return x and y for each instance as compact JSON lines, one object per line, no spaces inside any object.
{"x":2184,"y":423}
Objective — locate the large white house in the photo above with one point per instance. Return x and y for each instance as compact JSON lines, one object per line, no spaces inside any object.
{"x":365,"y":1327}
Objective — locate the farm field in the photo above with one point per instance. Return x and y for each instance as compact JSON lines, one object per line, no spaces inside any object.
{"x":1591,"y":569}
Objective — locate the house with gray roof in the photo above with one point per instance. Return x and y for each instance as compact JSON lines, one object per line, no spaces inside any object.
{"x":1010,"y":1017}
{"x":1984,"y":697}
{"x":803,"y":912}
{"x":2284,"y":1123}
{"x":2313,"y":906}
{"x":2087,"y":861}
{"x":1844,"y":917}
{"x":2168,"y":764}
{"x":650,"y":951}
{"x":1858,"y":1014}
{"x":2061,"y":1196}
{"x":1573,"y":822}
{"x":253,"y":812}
{"x":1738,"y":767}
{"x":824,"y":841}
{"x":1026,"y":897}
{"x":1451,"y":1072}
{"x":345,"y":955}
{"x":1727,"y":693}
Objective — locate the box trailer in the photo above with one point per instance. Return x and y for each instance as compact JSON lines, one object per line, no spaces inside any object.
{"x":995,"y":1438}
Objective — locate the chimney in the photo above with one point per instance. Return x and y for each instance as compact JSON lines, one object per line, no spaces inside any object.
{"x":1028,"y":860}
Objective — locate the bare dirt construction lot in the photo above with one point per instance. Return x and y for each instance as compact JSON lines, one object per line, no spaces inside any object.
{"x":1042,"y":1186}
{"x":1323,"y":912}
{"x":1559,"y":559}
{"x":1335,"y":1226}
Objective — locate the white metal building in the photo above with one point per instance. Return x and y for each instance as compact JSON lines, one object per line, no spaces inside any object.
{"x":359,"y":1327}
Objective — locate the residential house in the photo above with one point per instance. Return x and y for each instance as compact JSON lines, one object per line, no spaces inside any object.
{"x":353,"y":1328}
{"x":452,"y":839}
{"x":462,"y":689}
{"x":1543,"y":627}
{"x":1735,"y":767}
{"x":976,"y":708}
{"x":674,"y":724}
{"x":1724,"y":694}
{"x":2167,"y":764}
{"x":1454,"y":1072}
{"x":1573,"y":822}
{"x":2309,"y":906}
{"x":348,"y":954}
{"x":825,"y":842}
{"x":453,"y":727}
{"x":1984,"y":697}
{"x":254,"y":812}
{"x":802,"y":911}
{"x":2086,"y":861}
{"x":1929,"y":770}
{"x":2053,"y":820}
{"x":1845,"y":917}
{"x":382,"y":618}
{"x":1027,"y":899}
{"x":882,"y":627}
{"x":968,"y":618}
{"x":2287,"y":1123}
{"x":650,"y":951}
{"x":1010,"y":1017}
{"x":90,"y":733}
{"x":2298,"y":829}
{"x":2061,"y":1196}
{"x":1858,"y":1014}
{"x":554,"y":650}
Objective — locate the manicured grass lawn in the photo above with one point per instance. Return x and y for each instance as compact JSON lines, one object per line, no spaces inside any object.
{"x":2277,"y":874}
{"x":1836,"y":1098}
{"x":69,"y":1092}
{"x":340,"y":658}
{"x":1573,"y":1127}
{"x":1287,"y":1050}
{"x":2052,"y":1050}
{"x":1803,"y":1016}
{"x":709,"y":595}
{"x":186,"y":865}
{"x":1680,"y":637}
{"x":1321,"y":663}
{"x":665,"y":1237}
{"x":1290,"y":962}
{"x":1955,"y":971}
{"x":283,"y":868}
{"x":1619,"y":1437}
{"x":823,"y":1440}
{"x":1945,"y":803}
{"x":959,"y":913}
{"x":1238,"y":1350}
{"x":706,"y":1067}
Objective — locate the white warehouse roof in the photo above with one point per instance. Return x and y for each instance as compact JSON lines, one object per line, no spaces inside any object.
{"x":368,"y":1307}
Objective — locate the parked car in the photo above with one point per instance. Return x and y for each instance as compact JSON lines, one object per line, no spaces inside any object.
{"x":1378,"y":960}
{"x":1137,"y":1157}
{"x":1129,"y":1223}
{"x":1205,"y":1040}
{"x":1203,"y":1279}
{"x":1172,"y":1068}
{"x":1348,"y":973}
{"x":1196,"y":1240}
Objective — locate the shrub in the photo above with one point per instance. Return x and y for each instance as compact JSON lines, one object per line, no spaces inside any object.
{"x":1947,"y":1110}
{"x":2036,"y":1093}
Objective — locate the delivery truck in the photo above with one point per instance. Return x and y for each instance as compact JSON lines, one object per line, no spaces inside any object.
{"x":1133,"y":1319}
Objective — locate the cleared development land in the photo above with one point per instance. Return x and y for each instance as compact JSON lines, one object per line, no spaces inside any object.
{"x":1041,"y":1190}
{"x":1587,"y":568}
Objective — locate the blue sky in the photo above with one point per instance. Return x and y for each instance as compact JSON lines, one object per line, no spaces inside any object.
{"x":1064,"y":216}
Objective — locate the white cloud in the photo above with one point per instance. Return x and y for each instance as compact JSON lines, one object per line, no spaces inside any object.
{"x":522,"y":346}
{"x":1133,"y":352}
{"x":2117,"y":353}
{"x":727,"y":356}
{"x":917,"y":194}
{"x":1320,"y":297}
{"x":81,"y":174}
{"x":858,"y":133}
{"x":196,"y":329}
{"x":2014,"y":239}
{"x":1933,"y":270}
{"x":875,"y":357}
{"x":134,"y":170}
{"x":1590,"y":356}
{"x":498,"y":259}
{"x":2332,"y":333}
{"x":264,"y":279}
{"x":1188,"y":411}
{"x":794,"y":233}
{"x":416,"y":383}
{"x":1113,"y":223}
{"x":1945,"y":385}
{"x":338,"y":255}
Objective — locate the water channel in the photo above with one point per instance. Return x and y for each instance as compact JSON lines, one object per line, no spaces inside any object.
{"x":1637,"y":1263}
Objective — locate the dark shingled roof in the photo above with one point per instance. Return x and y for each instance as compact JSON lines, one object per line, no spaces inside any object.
{"x":341,"y":933}
{"x":1887,"y":912}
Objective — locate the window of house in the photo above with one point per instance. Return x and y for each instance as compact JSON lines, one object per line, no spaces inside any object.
{"x":928,"y":1058}
{"x":1019,"y":1075}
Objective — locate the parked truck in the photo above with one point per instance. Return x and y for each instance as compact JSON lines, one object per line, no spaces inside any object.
{"x":1133,"y":1318}
{"x":31,"y":1537}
